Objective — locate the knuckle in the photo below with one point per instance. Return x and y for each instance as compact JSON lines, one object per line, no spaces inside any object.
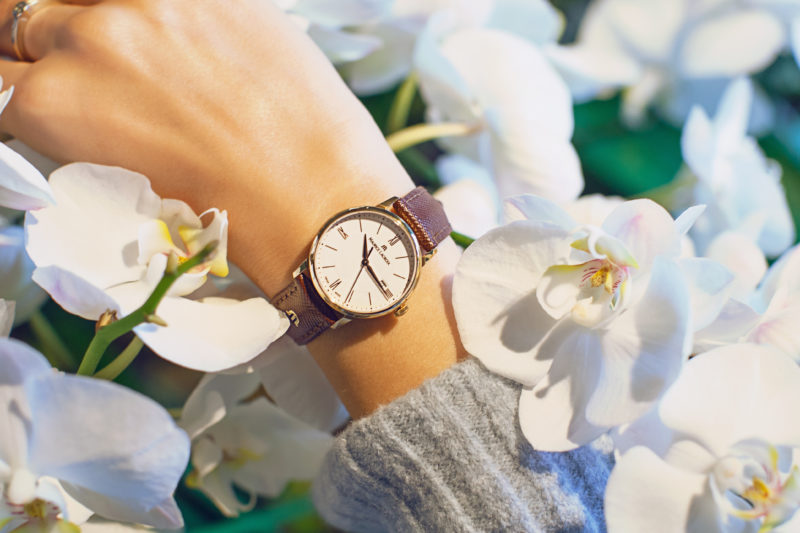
{"x":97,"y":28}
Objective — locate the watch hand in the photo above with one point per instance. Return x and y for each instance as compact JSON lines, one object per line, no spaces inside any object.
{"x":350,"y":292}
{"x":375,"y":279}
{"x":364,"y":252}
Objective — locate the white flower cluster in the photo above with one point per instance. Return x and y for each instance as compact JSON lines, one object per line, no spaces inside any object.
{"x":670,"y":333}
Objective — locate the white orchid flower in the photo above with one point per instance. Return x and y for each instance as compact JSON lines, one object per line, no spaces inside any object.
{"x":593,"y":321}
{"x":16,"y":270}
{"x":398,"y":31}
{"x":739,"y":185}
{"x":239,"y":438}
{"x":115,"y":451}
{"x":769,"y":316}
{"x":500,"y":86}
{"x":658,"y":50}
{"x":105,"y":246}
{"x":721,"y":452}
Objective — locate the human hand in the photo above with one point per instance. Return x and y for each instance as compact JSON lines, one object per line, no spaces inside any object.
{"x":222,"y":103}
{"x":226,"y":103}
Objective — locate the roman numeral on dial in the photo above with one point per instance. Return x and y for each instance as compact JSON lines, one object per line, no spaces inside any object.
{"x":335,"y":284}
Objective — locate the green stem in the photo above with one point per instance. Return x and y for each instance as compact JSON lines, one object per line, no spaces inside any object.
{"x":420,"y":168}
{"x":51,"y":343}
{"x":146,"y":313}
{"x":420,"y":133}
{"x":461,"y":239}
{"x":401,"y":105}
{"x":122,"y":361}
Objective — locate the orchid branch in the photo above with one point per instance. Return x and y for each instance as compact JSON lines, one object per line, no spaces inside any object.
{"x":144,"y":314}
{"x":420,"y":133}
{"x":460,"y":239}
{"x":51,"y":343}
{"x":122,"y":361}
{"x":401,"y":105}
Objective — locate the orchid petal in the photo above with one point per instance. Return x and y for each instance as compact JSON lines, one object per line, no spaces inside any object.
{"x":6,"y":317}
{"x":741,"y":256}
{"x":733,"y":322}
{"x":341,"y":46}
{"x":559,"y":288}
{"x":526,"y":160}
{"x":294,"y":449}
{"x":780,"y":331}
{"x":591,"y":70}
{"x":342,"y":13}
{"x":297,"y":385}
{"x":471,"y":208}
{"x":440,"y":83}
{"x":131,"y":436}
{"x":537,"y":21}
{"x":651,"y":28}
{"x":154,"y":238}
{"x":697,"y":142}
{"x":385,"y":66}
{"x":686,"y":220}
{"x":18,"y":363}
{"x":73,"y":293}
{"x":734,"y":393}
{"x":218,"y":486}
{"x":209,"y":334}
{"x":537,"y":209}
{"x":709,"y":52}
{"x":644,"y":493}
{"x":104,"y":205}
{"x":499,"y":318}
{"x":551,"y":415}
{"x":593,"y":209}
{"x":733,"y":114}
{"x":21,"y":185}
{"x":43,"y":164}
{"x":17,"y":269}
{"x":646,"y":229}
{"x":644,"y":351}
{"x":710,"y":285}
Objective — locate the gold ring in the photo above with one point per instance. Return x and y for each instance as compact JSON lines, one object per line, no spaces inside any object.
{"x":22,"y":13}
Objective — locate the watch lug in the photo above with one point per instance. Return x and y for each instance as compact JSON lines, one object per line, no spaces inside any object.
{"x":387,"y":204}
{"x":341,"y":322}
{"x":428,"y":256}
{"x":303,"y":266}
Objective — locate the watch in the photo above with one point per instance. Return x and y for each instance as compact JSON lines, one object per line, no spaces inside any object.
{"x":363,"y":263}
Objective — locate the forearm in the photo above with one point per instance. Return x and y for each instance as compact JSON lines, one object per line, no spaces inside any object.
{"x":369,"y":362}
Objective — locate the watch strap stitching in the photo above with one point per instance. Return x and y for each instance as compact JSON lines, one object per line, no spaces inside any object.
{"x":435,"y":226}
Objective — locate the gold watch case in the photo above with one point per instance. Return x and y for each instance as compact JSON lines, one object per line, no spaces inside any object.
{"x":398,"y":307}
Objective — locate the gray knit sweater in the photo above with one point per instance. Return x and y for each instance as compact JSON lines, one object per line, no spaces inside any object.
{"x":450,"y":457}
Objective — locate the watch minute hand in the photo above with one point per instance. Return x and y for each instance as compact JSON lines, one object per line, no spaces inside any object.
{"x":376,"y":280}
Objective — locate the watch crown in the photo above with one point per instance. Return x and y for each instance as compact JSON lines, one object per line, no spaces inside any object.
{"x":400,"y":311}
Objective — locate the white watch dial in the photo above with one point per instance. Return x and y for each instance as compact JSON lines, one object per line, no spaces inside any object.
{"x":365,"y":262}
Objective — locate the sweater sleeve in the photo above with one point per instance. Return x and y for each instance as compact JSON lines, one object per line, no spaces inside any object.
{"x":449,"y":456}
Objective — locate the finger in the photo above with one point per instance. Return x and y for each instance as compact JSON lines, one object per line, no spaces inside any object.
{"x":40,"y":33}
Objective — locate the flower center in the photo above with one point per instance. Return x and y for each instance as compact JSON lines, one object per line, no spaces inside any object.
{"x":754,"y":482}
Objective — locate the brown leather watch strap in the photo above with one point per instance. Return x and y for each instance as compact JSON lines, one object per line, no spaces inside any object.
{"x":310,"y":315}
{"x":425,"y":215}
